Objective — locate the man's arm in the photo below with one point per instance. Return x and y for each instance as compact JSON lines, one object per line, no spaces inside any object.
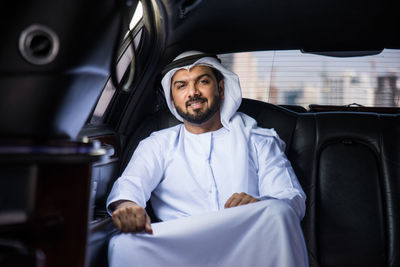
{"x":276,"y":176}
{"x":277,"y":179}
{"x":130,"y":217}
{"x":131,"y":191}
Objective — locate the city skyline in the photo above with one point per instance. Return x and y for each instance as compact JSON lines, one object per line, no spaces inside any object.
{"x":282,"y":76}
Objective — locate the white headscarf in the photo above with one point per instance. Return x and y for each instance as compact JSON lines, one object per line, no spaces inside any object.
{"x":232,"y":93}
{"x":240,"y":125}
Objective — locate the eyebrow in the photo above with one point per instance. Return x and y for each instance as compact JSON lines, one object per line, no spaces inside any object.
{"x":197,"y":78}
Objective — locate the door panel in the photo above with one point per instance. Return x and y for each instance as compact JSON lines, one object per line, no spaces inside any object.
{"x":105,"y":171}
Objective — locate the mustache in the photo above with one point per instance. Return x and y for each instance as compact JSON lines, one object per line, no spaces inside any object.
{"x":195,"y":99}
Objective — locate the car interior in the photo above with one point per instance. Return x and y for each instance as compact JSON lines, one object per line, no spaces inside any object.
{"x":80,"y":88}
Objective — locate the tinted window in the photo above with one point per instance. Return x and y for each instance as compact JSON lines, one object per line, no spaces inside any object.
{"x":123,"y":64}
{"x":294,"y":78}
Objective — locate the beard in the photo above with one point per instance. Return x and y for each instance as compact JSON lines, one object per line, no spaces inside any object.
{"x":199,"y":116}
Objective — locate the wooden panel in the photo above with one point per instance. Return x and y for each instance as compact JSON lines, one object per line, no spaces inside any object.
{"x":57,"y":225}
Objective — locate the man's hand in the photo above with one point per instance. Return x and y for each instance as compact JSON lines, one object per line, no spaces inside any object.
{"x":240,"y":199}
{"x":130,"y":217}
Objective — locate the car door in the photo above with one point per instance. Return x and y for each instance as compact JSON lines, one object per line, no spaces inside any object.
{"x":119,"y":111}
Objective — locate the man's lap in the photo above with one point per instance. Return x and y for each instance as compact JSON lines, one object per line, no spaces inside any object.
{"x":228,"y":237}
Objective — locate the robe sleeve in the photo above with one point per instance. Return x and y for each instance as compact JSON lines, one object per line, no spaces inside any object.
{"x":276,"y":175}
{"x":141,"y":176}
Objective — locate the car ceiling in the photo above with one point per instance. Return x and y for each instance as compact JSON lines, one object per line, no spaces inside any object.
{"x":309,"y":25}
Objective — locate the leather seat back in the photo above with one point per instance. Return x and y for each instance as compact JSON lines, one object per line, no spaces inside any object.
{"x":341,"y":161}
{"x":349,"y":166}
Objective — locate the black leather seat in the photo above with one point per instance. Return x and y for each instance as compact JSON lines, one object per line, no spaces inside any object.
{"x":347,"y":170}
{"x":349,"y":166}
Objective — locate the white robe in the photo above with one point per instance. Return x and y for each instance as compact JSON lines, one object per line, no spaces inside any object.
{"x":190,"y":178}
{"x":261,"y":234}
{"x":190,"y":174}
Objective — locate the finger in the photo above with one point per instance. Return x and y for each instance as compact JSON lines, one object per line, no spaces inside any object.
{"x":148,"y":228}
{"x":229,"y":201}
{"x":235,"y":202}
{"x":123,"y":219}
{"x":245,"y":200}
{"x":116,"y":221}
{"x":128,"y":219}
{"x":140,"y":220}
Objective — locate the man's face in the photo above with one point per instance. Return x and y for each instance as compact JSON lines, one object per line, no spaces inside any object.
{"x":196,"y":94}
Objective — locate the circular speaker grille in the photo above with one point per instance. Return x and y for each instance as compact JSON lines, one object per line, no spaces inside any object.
{"x":39,"y":44}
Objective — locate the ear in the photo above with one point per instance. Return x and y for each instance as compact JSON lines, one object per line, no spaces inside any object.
{"x":172,"y":99}
{"x":221,"y":87}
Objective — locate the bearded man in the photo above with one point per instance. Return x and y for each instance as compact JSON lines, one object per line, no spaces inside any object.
{"x":223,"y":187}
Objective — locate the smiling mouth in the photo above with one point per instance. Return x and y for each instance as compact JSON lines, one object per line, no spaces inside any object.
{"x":195,"y":103}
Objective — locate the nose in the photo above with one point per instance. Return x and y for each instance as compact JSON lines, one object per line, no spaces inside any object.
{"x":193,"y":90}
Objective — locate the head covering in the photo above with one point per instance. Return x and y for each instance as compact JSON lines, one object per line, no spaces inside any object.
{"x":189,"y":59}
{"x":240,"y":126}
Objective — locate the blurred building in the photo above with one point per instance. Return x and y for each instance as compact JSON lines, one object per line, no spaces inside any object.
{"x":286,"y":78}
{"x":387,"y":93}
{"x":253,"y":86}
{"x":349,"y":88}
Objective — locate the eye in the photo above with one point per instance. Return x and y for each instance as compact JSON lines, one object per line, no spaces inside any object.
{"x":179,"y":86}
{"x":204,"y":81}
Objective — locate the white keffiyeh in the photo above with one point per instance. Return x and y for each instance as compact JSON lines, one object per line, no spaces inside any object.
{"x":240,"y":125}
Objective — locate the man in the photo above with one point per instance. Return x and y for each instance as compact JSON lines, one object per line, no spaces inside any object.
{"x":198,"y":173}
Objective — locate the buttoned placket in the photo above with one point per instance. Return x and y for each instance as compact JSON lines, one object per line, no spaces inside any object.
{"x":213,"y":190}
{"x":205,"y":175}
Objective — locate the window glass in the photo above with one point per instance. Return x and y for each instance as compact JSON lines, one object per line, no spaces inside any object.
{"x":122,"y":65}
{"x":294,"y":78}
{"x":136,"y":16}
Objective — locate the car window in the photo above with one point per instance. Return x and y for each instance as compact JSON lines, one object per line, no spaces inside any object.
{"x":122,"y":65}
{"x":137,"y":15}
{"x":295,"y":78}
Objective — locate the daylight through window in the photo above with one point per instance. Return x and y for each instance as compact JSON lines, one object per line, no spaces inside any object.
{"x":294,"y":78}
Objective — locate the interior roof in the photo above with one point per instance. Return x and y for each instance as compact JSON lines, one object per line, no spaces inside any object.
{"x":311,"y":25}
